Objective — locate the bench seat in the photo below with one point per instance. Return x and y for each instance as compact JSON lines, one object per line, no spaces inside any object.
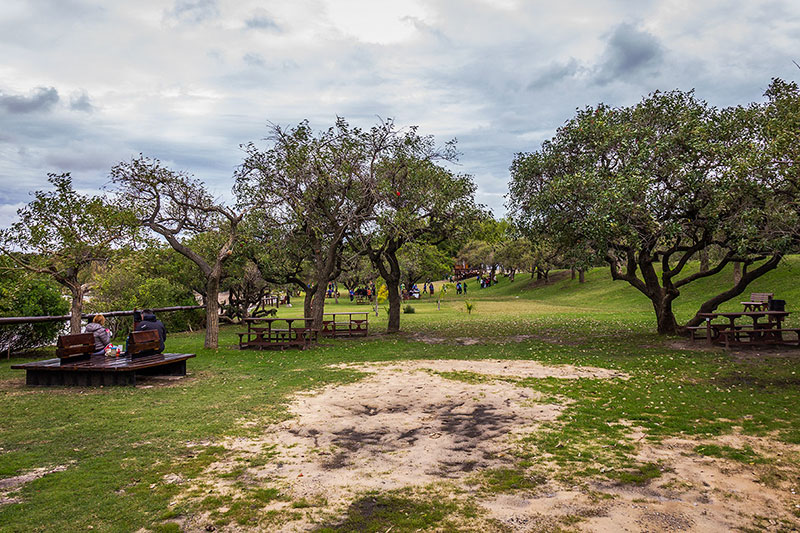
{"x":759,"y":336}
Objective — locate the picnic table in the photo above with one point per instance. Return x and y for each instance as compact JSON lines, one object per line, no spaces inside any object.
{"x":356,"y":324}
{"x":757,"y":333}
{"x":262,"y":334}
{"x":759,"y":301}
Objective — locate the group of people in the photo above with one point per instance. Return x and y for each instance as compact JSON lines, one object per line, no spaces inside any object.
{"x":484,"y":281}
{"x":461,"y":288}
{"x":414,"y":292}
{"x":102,"y":335}
{"x":363,"y":292}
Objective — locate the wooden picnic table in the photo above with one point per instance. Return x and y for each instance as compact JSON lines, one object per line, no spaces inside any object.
{"x":261,"y":333}
{"x":757,"y":333}
{"x":356,"y":325}
{"x":759,"y":301}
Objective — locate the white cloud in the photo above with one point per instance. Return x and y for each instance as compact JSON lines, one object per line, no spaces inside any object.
{"x":189,"y":80}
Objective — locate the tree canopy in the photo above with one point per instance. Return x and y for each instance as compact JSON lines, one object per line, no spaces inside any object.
{"x":62,"y":234}
{"x":650,"y":186}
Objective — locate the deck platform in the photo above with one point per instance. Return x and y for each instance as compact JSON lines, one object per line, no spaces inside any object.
{"x":99,"y":370}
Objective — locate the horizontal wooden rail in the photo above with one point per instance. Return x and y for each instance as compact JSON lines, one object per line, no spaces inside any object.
{"x":63,"y":318}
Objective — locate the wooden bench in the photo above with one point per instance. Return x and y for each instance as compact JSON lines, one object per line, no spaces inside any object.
{"x":143,"y":343}
{"x":362,"y":300}
{"x":758,"y":336}
{"x":74,"y":348}
{"x":759,"y":301}
{"x":356,"y":324}
{"x":701,"y":333}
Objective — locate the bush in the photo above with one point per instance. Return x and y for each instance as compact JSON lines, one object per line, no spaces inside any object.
{"x":469,"y":305}
{"x":409,"y":309}
{"x":31,"y":297}
{"x":127,"y":285}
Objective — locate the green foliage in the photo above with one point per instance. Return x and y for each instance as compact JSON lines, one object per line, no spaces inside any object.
{"x":62,"y":234}
{"x":149,"y":278}
{"x":22,"y":295}
{"x":408,"y":309}
{"x":423,"y":261}
{"x":656,"y":183}
{"x":470,"y":306}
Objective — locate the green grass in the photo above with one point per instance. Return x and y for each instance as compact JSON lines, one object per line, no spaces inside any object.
{"x":377,"y":512}
{"x":117,"y":444}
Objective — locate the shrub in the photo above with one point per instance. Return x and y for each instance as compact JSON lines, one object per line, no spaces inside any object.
{"x":30,"y":297}
{"x":409,"y":309}
{"x":469,"y":305}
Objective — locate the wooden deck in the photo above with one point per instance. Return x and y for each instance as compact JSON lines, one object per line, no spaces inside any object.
{"x":101,"y":370}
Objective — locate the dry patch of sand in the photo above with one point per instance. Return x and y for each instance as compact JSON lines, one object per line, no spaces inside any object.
{"x":403,"y":425}
{"x":694,"y":493}
{"x":10,"y":485}
{"x":406,"y":425}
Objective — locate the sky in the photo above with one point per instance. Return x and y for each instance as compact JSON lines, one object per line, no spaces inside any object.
{"x":86,"y":84}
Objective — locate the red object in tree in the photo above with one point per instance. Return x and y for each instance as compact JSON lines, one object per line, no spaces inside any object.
{"x":397,"y":193}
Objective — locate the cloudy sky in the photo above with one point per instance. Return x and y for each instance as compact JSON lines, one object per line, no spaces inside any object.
{"x":85,"y":84}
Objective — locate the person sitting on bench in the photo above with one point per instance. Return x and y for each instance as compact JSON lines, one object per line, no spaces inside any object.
{"x":149,"y":321}
{"x":102,"y":335}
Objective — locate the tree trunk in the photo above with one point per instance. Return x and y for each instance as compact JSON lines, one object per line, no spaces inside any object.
{"x":737,"y":272}
{"x":581,"y":276}
{"x":667,"y":325}
{"x":393,"y":286}
{"x":307,"y":301}
{"x":76,"y":310}
{"x":318,"y":301}
{"x":212,"y":312}
{"x":704,"y":262}
{"x":572,"y":273}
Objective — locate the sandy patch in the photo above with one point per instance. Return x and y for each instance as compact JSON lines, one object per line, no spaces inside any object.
{"x":403,"y":425}
{"x":492,"y":367}
{"x":694,"y":493}
{"x":10,"y":485}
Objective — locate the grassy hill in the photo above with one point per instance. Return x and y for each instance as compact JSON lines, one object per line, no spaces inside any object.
{"x":601,"y":294}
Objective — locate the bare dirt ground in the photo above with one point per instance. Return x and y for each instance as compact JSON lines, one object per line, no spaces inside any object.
{"x":9,"y":486}
{"x":406,"y":425}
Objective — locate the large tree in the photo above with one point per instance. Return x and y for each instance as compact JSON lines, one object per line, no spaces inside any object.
{"x":316,"y":187}
{"x":63,"y":234}
{"x":176,"y":206}
{"x":281,"y":254}
{"x":415,"y":200}
{"x":423,"y":261}
{"x":652,"y":185}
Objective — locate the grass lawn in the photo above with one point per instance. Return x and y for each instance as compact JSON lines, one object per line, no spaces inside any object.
{"x":101,"y":459}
